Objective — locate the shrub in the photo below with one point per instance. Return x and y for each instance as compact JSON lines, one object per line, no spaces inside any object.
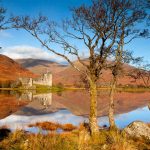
{"x":68,"y":127}
{"x":46,"y":125}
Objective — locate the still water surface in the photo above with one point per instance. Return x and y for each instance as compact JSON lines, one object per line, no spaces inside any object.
{"x":73,"y":107}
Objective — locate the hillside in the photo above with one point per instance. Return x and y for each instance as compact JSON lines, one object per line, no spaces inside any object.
{"x":70,"y":76}
{"x":39,"y":66}
{"x":78,"y":102}
{"x":67,"y":75}
{"x":11,"y":70}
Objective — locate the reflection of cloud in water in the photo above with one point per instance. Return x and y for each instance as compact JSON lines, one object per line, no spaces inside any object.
{"x":65,"y":116}
{"x":62,"y":116}
{"x":140,"y":114}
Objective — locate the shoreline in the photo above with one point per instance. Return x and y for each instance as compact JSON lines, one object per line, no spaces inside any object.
{"x":136,"y":89}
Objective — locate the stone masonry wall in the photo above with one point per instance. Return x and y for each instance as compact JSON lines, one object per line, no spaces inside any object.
{"x":45,"y":79}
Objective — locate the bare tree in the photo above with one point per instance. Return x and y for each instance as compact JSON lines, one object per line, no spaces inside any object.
{"x":2,"y":17}
{"x":5,"y":23}
{"x":116,"y":69}
{"x":127,"y":33}
{"x":96,"y":27}
{"x":141,"y":73}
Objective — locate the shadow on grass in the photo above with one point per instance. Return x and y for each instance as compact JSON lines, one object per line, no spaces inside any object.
{"x":4,"y":132}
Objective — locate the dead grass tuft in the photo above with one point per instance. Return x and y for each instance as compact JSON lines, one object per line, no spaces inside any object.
{"x":46,"y":125}
{"x":78,"y":139}
{"x":68,"y":127}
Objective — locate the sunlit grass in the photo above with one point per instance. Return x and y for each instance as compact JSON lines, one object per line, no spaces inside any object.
{"x":79,"y":140}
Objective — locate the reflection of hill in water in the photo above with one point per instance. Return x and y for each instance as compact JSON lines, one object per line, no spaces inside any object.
{"x":9,"y":104}
{"x":78,"y":103}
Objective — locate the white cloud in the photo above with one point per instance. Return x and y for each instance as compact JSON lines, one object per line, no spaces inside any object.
{"x":26,"y":51}
{"x":4,"y":34}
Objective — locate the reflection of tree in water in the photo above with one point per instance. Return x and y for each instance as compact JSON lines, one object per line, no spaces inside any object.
{"x":59,"y":93}
{"x":4,"y":92}
{"x":149,"y":106}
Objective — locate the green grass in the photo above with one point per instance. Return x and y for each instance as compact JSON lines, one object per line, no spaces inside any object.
{"x":119,"y":89}
{"x":47,"y":89}
{"x":39,"y":89}
{"x":133,"y":89}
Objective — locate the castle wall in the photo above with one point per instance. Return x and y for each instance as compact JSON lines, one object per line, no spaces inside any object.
{"x":45,"y":79}
{"x":26,"y":82}
{"x":30,"y":83}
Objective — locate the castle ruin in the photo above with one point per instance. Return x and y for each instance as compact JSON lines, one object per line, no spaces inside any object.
{"x":45,"y":79}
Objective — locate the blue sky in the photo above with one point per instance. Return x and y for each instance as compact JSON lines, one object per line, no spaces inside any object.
{"x":19,"y":44}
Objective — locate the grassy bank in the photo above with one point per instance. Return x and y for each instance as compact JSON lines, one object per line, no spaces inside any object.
{"x":75,"y":140}
{"x":46,"y":89}
{"x":39,"y":89}
{"x":119,"y":89}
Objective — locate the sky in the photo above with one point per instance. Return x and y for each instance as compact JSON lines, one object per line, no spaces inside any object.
{"x":19,"y":44}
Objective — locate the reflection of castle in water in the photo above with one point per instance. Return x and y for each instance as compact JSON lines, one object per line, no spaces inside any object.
{"x":45,"y":99}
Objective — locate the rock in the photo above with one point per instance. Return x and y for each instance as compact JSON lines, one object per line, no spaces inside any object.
{"x":138,"y":129}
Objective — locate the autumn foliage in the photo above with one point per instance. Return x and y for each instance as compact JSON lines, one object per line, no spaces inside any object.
{"x":53,"y":126}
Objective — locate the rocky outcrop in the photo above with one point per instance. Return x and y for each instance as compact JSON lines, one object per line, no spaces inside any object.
{"x":138,"y":129}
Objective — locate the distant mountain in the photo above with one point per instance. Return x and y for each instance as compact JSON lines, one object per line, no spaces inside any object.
{"x":39,"y":66}
{"x":70,"y":76}
{"x":33,"y":62}
{"x":11,"y":70}
{"x":67,"y":75}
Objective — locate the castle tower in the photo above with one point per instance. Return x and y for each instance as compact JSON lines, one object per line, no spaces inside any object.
{"x":47,"y":79}
{"x":30,"y":82}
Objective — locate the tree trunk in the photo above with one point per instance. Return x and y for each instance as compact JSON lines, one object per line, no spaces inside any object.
{"x":93,"y":108}
{"x":111,"y":104}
